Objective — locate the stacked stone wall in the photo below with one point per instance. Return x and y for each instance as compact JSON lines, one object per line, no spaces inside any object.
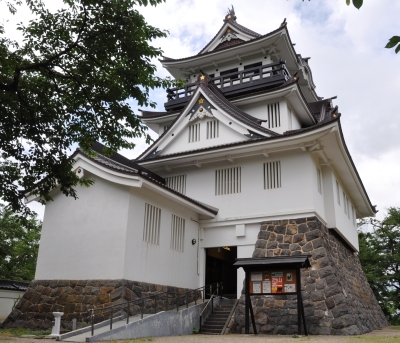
{"x":336,"y":295}
{"x":76,"y":297}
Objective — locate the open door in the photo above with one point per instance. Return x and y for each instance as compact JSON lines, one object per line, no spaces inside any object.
{"x":219,"y":268}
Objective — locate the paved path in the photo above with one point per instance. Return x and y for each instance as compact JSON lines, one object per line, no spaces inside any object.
{"x":386,"y":335}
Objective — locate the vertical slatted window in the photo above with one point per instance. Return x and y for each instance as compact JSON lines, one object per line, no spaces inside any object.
{"x":177,"y":233}
{"x":348,"y":207}
{"x":272,"y":175}
{"x":344,"y":203}
{"x":228,"y":181}
{"x":212,"y":129}
{"x":319,"y":180}
{"x":274,"y":115}
{"x":177,"y":183}
{"x":338,"y":192}
{"x":194,"y":133}
{"x":151,"y":230}
{"x":354,"y":215}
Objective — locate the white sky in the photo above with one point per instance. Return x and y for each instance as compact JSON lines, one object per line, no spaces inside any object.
{"x":347,"y":60}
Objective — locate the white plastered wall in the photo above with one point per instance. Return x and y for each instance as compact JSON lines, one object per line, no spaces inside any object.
{"x":160,"y":264}
{"x":84,"y":238}
{"x":334,"y":207}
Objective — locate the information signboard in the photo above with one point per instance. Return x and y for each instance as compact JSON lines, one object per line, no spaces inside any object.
{"x":273,"y":282}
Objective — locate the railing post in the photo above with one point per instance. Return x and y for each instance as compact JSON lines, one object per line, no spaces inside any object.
{"x":155,"y":304}
{"x":200,"y":325}
{"x":142,"y":308}
{"x":187,"y":300}
{"x":111,"y":318}
{"x":92,"y":315}
{"x":195,"y":299}
{"x":217,"y":288}
{"x":212,"y":304}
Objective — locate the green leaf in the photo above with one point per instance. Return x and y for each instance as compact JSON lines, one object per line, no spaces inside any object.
{"x":347,"y":2}
{"x":357,"y":3}
{"x":393,"y":42}
{"x":397,"y":49}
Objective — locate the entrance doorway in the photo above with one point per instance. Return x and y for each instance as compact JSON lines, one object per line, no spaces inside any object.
{"x":219,"y":268}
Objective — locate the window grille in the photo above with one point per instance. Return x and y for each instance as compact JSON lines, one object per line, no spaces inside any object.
{"x":228,"y":181}
{"x":177,"y":183}
{"x":194,"y":133}
{"x":151,"y":230}
{"x":272,"y":175}
{"x":274,"y":115}
{"x":212,"y":129}
{"x":319,"y":180}
{"x":338,"y":192}
{"x":177,"y":233}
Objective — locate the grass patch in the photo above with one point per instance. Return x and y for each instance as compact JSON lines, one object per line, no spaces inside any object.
{"x":23,"y":331}
{"x":395,"y":327}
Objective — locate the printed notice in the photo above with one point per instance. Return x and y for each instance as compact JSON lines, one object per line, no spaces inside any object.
{"x":277,"y":274}
{"x":266,"y":286}
{"x":289,"y":277}
{"x":257,"y":287}
{"x":256,"y":276}
{"x":277,"y":285}
{"x":290,"y":287}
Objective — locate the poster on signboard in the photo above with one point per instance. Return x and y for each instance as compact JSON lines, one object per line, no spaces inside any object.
{"x":266,"y":286}
{"x":289,"y":277}
{"x":257,"y":287}
{"x":277,"y":284}
{"x":290,"y":287}
{"x":256,"y":276}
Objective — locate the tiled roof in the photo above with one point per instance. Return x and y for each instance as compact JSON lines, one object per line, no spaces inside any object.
{"x":233,"y":23}
{"x":155,"y":114}
{"x":12,"y":285}
{"x":218,"y":97}
{"x":121,"y":164}
{"x":227,"y":43}
{"x":210,"y":52}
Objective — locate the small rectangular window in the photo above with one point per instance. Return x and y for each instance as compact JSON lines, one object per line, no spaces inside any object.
{"x":151,"y":230}
{"x":177,"y":183}
{"x":272,"y":175}
{"x":212,"y":129}
{"x":177,"y":233}
{"x":319,"y":180}
{"x":274,"y":115}
{"x":194,"y":133}
{"x":228,"y":181}
{"x":338,"y":192}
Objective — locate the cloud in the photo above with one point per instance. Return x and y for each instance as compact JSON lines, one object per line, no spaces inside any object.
{"x":347,"y":59}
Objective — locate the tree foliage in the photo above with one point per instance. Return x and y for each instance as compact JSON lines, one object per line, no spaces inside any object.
{"x":67,"y":84}
{"x":380,"y":258}
{"x":19,"y":244}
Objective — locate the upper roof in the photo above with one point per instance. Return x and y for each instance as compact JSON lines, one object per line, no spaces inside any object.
{"x":227,"y":34}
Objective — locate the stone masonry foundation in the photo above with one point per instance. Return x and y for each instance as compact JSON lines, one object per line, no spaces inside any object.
{"x":76,"y":297}
{"x":337,"y":297}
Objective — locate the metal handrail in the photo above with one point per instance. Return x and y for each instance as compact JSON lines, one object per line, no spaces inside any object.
{"x":110,"y":310}
{"x":212,"y":302}
{"x":261,"y":72}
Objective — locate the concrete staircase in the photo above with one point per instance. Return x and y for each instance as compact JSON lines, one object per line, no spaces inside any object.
{"x":217,"y":321}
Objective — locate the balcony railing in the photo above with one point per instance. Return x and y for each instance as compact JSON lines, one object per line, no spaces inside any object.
{"x":234,"y":83}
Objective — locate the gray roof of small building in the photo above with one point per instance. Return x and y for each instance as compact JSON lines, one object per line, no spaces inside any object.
{"x":301,"y":261}
{"x":12,"y":285}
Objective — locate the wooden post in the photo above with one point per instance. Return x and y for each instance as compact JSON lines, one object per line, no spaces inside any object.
{"x":299,"y":303}
{"x":246,"y":303}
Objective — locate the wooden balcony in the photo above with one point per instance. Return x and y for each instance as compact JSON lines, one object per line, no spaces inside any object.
{"x":233,"y":84}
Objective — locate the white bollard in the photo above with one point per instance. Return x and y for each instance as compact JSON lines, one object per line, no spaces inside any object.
{"x":55,"y":331}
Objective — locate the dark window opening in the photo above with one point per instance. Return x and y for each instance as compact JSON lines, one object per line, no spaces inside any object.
{"x":252,"y":72}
